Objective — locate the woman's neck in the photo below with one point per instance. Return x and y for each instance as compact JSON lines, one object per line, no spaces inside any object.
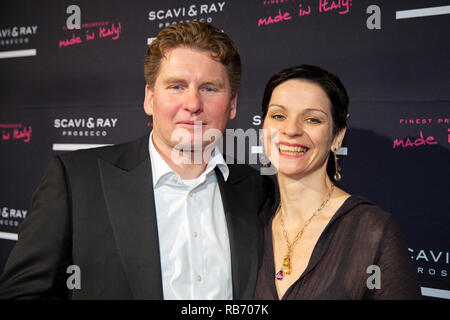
{"x":300,"y":198}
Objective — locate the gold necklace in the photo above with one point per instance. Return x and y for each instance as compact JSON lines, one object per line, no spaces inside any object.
{"x":286,"y":266}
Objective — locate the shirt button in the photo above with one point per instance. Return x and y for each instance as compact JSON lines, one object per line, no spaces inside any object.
{"x":199,"y":278}
{"x":190,"y":194}
{"x":195,"y":234}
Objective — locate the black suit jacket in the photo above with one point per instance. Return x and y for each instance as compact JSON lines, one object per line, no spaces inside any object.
{"x":95,"y":209}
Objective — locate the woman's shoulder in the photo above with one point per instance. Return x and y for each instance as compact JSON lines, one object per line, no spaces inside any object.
{"x":364,"y":208}
{"x":366,"y":215}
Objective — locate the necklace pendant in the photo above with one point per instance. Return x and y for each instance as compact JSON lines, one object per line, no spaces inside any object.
{"x":280,"y":275}
{"x":286,"y":265}
{"x":287,"y":270}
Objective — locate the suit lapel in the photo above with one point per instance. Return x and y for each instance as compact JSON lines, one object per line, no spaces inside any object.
{"x":128,"y":190}
{"x":243,"y":233}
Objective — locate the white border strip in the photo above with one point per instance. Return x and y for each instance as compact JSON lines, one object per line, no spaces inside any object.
{"x":436,"y":293}
{"x":17,"y":53}
{"x":343,"y":151}
{"x":75,"y":146}
{"x":257,"y":149}
{"x":8,"y":236}
{"x":424,"y":12}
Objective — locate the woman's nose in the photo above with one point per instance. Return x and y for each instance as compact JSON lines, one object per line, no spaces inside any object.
{"x":292,"y":128}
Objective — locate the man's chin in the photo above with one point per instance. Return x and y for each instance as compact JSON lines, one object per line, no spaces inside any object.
{"x":194,"y":146}
{"x":192,"y":153}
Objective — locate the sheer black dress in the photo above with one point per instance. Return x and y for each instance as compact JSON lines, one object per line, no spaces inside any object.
{"x":358,"y":236}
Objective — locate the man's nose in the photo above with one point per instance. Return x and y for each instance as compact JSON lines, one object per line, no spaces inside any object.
{"x":192,"y":101}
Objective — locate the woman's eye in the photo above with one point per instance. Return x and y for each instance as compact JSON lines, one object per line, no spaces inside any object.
{"x":277,"y":117}
{"x":313,"y":120}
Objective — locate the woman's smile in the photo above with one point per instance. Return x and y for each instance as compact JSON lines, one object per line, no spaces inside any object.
{"x":292,"y":150}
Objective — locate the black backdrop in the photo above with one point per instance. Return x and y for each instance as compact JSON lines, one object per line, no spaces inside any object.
{"x":65,"y":89}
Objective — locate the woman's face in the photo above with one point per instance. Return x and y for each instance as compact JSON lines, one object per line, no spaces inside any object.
{"x":299,"y":129}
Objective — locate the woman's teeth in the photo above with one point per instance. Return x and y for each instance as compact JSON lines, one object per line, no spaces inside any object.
{"x":292,"y":150}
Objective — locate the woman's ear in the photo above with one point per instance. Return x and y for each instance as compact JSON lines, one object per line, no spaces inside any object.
{"x":337,"y":142}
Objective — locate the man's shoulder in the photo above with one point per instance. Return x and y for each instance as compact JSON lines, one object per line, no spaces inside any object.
{"x":107,"y":152}
{"x":243,"y":169}
{"x":242,"y":172}
{"x":111,"y":153}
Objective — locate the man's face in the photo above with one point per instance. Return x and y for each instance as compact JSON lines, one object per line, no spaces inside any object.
{"x":191,"y":93}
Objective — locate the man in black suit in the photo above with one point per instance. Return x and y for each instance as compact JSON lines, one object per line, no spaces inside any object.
{"x":161,"y":217}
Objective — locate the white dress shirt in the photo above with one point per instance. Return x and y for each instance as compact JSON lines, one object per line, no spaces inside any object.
{"x":193,"y":235}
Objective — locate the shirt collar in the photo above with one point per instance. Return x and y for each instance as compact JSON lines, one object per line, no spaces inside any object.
{"x":160,"y":167}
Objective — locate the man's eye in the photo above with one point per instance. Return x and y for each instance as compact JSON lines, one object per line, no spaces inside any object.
{"x":209,"y":89}
{"x":176,"y":87}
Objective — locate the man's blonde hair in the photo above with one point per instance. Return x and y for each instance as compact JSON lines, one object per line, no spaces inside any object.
{"x":199,"y":36}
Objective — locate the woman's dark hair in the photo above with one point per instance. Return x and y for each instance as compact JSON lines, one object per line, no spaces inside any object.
{"x":332,"y":86}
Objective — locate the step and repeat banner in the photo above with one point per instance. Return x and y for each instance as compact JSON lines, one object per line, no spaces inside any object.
{"x":63,"y":89}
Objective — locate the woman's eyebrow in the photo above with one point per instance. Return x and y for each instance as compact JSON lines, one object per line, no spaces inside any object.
{"x":276,"y":105}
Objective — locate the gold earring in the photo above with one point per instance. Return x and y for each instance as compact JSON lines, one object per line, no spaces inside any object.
{"x":337,"y":175}
{"x":265,"y":162}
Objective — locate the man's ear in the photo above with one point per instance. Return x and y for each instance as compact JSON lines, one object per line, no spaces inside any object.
{"x":233,"y":106}
{"x":337,"y":142}
{"x":148,"y":100}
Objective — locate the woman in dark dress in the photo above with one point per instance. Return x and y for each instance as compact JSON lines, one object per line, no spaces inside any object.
{"x":319,"y":241}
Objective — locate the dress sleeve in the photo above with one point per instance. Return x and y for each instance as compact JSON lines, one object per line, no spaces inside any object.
{"x":37,"y":265}
{"x":398,"y":276}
